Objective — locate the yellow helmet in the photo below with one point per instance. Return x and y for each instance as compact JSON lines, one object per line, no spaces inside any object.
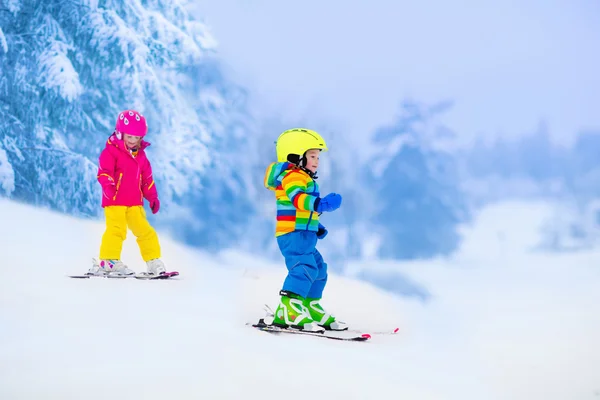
{"x":296,"y":142}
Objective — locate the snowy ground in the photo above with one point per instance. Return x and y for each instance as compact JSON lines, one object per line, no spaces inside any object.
{"x":499,"y":323}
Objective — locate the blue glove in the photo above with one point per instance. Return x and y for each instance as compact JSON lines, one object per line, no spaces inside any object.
{"x":322,"y":232}
{"x":329,"y":203}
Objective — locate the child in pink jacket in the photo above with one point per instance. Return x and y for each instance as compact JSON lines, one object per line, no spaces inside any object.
{"x":125,"y":175}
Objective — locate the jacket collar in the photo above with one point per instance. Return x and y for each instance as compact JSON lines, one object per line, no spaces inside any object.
{"x":119,"y":143}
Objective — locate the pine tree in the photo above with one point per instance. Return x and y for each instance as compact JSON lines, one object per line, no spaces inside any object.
{"x":417,"y":201}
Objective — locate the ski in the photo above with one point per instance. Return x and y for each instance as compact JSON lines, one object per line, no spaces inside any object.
{"x":141,"y":276}
{"x":114,"y":275}
{"x":389,"y":332}
{"x":270,"y":313}
{"x":164,"y":275}
{"x":261,"y":325}
{"x":107,"y":276}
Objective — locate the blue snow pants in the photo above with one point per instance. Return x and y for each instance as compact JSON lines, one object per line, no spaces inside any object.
{"x":307,"y":272}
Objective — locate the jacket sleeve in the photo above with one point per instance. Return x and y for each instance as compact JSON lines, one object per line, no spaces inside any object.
{"x":148,"y":187}
{"x":106,"y":170}
{"x":294,"y":184}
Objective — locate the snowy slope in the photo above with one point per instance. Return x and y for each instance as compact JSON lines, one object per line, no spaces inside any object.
{"x":503,"y":330}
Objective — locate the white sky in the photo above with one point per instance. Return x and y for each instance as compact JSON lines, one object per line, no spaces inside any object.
{"x":507,"y":64}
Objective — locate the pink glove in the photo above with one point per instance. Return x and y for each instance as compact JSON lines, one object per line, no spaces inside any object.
{"x":155,"y":205}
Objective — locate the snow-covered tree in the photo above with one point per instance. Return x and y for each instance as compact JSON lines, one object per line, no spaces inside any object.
{"x":416,"y":202}
{"x":68,"y":67}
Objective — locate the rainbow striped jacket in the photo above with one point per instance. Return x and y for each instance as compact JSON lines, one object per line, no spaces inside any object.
{"x":297,"y":198}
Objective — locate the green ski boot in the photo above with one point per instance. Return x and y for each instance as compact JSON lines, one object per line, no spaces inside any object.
{"x":322,"y":317}
{"x":291,"y":312}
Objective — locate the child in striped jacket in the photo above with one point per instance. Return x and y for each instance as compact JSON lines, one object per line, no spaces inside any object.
{"x":299,"y":205}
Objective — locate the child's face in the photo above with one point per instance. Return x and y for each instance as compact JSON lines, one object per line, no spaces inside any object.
{"x":312,"y":160}
{"x":132,"y":141}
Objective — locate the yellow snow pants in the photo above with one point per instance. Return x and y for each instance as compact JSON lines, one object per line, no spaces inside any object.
{"x":118,"y":219}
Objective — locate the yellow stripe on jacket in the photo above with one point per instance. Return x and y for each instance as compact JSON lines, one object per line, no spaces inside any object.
{"x":296,"y":194}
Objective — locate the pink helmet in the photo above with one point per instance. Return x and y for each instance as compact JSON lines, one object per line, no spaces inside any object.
{"x":132,"y":123}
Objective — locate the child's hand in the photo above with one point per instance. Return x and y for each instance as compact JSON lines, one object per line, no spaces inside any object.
{"x":329,"y":203}
{"x":155,"y":205}
{"x":322,"y":232}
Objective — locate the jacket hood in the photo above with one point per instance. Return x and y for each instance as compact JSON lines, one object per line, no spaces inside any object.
{"x":275,"y":173}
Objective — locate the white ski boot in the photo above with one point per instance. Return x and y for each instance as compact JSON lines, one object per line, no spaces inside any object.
{"x":156,"y":267}
{"x":110,"y":267}
{"x":95,"y":269}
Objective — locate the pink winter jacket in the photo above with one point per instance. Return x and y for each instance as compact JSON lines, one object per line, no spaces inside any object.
{"x":126,"y":180}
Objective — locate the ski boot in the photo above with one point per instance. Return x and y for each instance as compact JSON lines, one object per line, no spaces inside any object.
{"x":110,"y":267}
{"x":291,"y":312}
{"x":95,"y":269}
{"x":322,"y":317}
{"x":156,"y":267}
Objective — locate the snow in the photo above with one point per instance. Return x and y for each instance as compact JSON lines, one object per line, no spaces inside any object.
{"x":171,"y":35}
{"x":521,"y":326}
{"x":7,"y":174}
{"x":14,"y":6}
{"x":57,"y":71}
{"x":3,"y":43}
{"x":93,"y":4}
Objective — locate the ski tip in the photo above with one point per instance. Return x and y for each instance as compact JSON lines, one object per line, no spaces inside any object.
{"x":396,"y":330}
{"x":366,"y":336}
